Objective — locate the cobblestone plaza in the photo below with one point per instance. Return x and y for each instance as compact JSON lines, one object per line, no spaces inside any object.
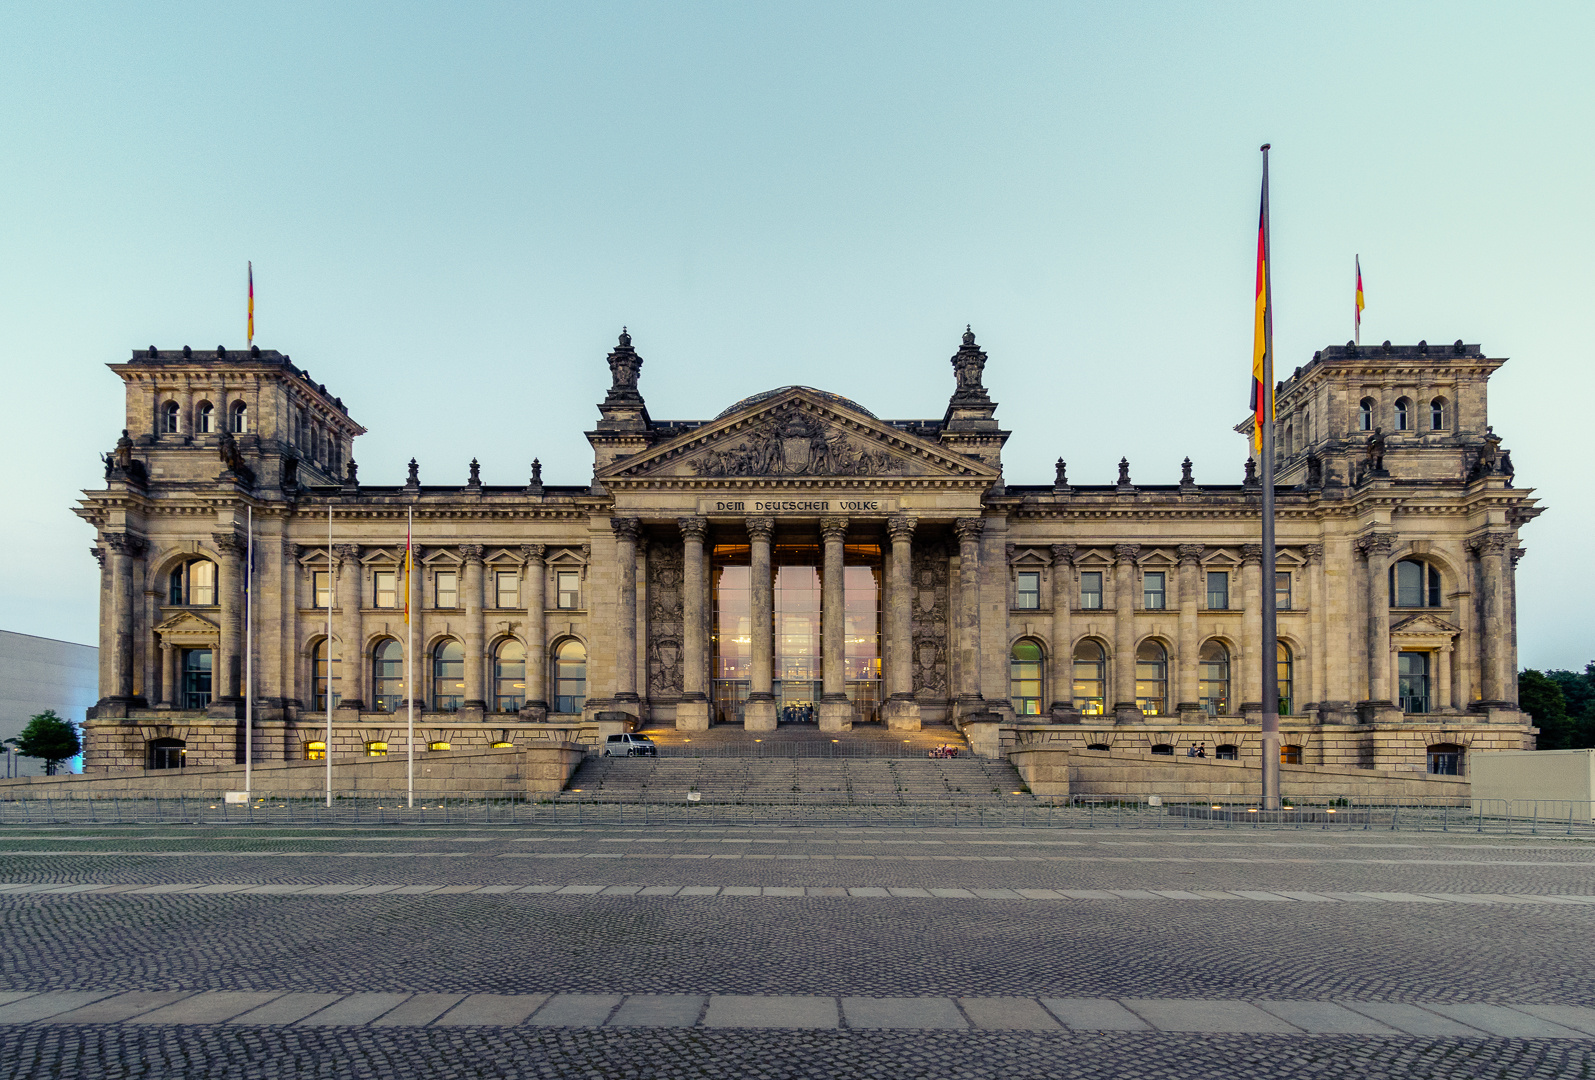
{"x":662,"y":952}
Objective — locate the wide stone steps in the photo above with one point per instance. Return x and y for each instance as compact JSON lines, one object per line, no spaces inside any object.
{"x":843,"y":781}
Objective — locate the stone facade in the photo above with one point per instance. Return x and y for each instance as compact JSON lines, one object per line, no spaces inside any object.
{"x":798,"y":558}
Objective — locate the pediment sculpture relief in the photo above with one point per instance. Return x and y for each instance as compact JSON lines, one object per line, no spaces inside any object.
{"x":796,"y":444}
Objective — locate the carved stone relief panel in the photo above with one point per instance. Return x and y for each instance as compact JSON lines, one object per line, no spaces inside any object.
{"x":796,"y":444}
{"x":929,"y":629}
{"x":664,"y":618}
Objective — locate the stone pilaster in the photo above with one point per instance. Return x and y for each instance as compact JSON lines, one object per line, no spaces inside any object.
{"x":970,"y":699}
{"x":1061,"y":646}
{"x":168,"y":676}
{"x":1376,"y":549}
{"x":224,"y":675}
{"x":836,"y":712}
{"x":1492,"y":549}
{"x":627,"y":531}
{"x":901,"y":711}
{"x":536,"y":705}
{"x":351,"y":650}
{"x":471,"y":586}
{"x":1246,"y":676}
{"x":1318,"y":683}
{"x":692,"y":712}
{"x":125,"y":547}
{"x":759,"y":713}
{"x":1125,"y":710}
{"x":1188,"y":660}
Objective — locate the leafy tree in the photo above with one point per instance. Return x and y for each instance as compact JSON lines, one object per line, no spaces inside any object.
{"x":50,"y":737}
{"x":1563,"y":706}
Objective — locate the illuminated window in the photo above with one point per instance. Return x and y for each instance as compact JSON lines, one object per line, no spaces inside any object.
{"x":570,"y":677}
{"x":315,"y":751}
{"x":1287,"y":667}
{"x":1213,"y":673}
{"x":1024,"y":678}
{"x":502,"y":745}
{"x":376,"y":749}
{"x":321,"y":589}
{"x":387,"y":675}
{"x":1090,"y":677}
{"x":448,"y":676}
{"x":1290,"y":754}
{"x":321,"y":676}
{"x":1151,"y":678}
{"x":1027,"y":590}
{"x":438,"y":746}
{"x":193,"y":584}
{"x":509,"y":677}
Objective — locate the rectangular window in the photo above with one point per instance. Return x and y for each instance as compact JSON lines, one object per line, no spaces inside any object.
{"x":1282,"y":591}
{"x":1152,"y":595}
{"x":202,"y":583}
{"x":385,"y":589}
{"x":321,"y":589}
{"x":1218,"y":590}
{"x":567,"y":589}
{"x":447,"y":593}
{"x":1091,"y":590}
{"x":507,"y":589}
{"x":1027,"y":591}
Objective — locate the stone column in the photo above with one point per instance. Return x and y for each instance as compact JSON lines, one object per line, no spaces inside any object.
{"x":351,"y":628}
{"x":168,"y":676}
{"x":1376,"y":548}
{"x":836,"y":712}
{"x":1317,"y":631}
{"x":475,"y":631}
{"x":228,"y":660}
{"x":1061,"y":647}
{"x":536,"y":706}
{"x":627,"y":530}
{"x":692,"y":712}
{"x":901,"y":711}
{"x":1247,"y":676}
{"x":1189,"y":659}
{"x":1442,"y":679}
{"x":419,"y":683}
{"x":125,"y":547}
{"x":759,"y":713}
{"x":970,"y":699}
{"x":1125,"y":710}
{"x":1493,"y":630}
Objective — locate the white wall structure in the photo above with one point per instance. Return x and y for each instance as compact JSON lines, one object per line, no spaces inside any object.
{"x":1562,"y":781}
{"x":41,"y":673}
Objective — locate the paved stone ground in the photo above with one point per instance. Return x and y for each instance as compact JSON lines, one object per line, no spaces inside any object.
{"x":747,"y":933}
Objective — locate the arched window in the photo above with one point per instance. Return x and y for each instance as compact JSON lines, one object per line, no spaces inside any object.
{"x":1090,"y":677}
{"x":1213,"y":688}
{"x":1403,"y":414}
{"x":1412,"y":674}
{"x":196,"y":678}
{"x":570,"y":677}
{"x":1365,"y":415}
{"x":448,"y":676}
{"x":1445,"y":759}
{"x":1024,"y":678}
{"x":1437,"y":414}
{"x":509,"y":677}
{"x":1226,"y":752}
{"x":1151,"y":678}
{"x":193,"y":584}
{"x":1414,"y":584}
{"x":167,"y":753}
{"x":238,"y":418}
{"x":320,"y":678}
{"x":316,"y":750}
{"x":169,"y":418}
{"x":1286,"y":669}
{"x":202,"y":419}
{"x":1290,"y":754}
{"x":1290,"y":437}
{"x":387,"y":675}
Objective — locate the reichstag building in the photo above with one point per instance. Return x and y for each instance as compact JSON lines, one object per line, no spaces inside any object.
{"x":799,"y":560}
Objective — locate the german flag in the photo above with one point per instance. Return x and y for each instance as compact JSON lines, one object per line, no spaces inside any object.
{"x":1262,"y":393}
{"x":251,"y":331}
{"x":1357,"y":325}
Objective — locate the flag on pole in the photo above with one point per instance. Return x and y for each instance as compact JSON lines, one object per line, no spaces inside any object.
{"x":251,"y":332}
{"x":1262,"y":394}
{"x":1356,"y":337}
{"x":409,"y":560}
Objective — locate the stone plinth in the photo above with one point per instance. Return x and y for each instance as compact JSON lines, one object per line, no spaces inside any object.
{"x":692,"y":715}
{"x":1045,"y":772}
{"x":836,"y":716}
{"x":901,"y":714}
{"x":759,"y":715}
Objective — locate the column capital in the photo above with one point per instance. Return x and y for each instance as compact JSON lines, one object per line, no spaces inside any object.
{"x":1315,"y":553}
{"x":125,"y":543}
{"x":1063,"y":554}
{"x":346,"y":551}
{"x":1191,"y":554}
{"x":626,"y":528}
{"x":1518,"y":553}
{"x":534,"y":553}
{"x":1125,"y":553}
{"x":833,"y":528}
{"x":472,"y":553}
{"x":1376,"y":544}
{"x":900,"y":527}
{"x":229,"y":544}
{"x":693,"y":528}
{"x":969,"y":529}
{"x":1491,"y":543}
{"x":1251,"y":554}
{"x":760,"y":528}
{"x":98,"y":553}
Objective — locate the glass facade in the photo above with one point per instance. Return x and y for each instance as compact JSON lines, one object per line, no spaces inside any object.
{"x":1413,"y":672}
{"x":796,"y":672}
{"x":861,"y":654}
{"x":1151,"y":678}
{"x":1090,"y":677}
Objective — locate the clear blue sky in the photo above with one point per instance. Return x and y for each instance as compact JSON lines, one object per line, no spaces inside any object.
{"x":453,"y":208}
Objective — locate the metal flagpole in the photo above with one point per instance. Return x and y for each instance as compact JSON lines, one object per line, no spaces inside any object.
{"x":1270,"y":657}
{"x":409,"y":660}
{"x":249,"y":651}
{"x":332,"y":590}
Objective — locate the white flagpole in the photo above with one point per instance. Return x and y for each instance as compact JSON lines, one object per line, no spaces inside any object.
{"x":249,"y":651}
{"x":409,"y":659}
{"x":332,"y":590}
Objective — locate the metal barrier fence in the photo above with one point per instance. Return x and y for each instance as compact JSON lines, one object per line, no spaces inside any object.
{"x":361,"y":809}
{"x":796,"y":748}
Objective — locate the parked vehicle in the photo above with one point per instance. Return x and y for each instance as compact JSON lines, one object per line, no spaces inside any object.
{"x":628,"y":745}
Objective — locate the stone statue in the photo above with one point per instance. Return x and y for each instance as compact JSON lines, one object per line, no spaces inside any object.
{"x":625,"y":366}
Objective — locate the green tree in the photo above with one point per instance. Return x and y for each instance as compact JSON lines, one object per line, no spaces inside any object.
{"x":50,"y":737}
{"x":1542,"y":698}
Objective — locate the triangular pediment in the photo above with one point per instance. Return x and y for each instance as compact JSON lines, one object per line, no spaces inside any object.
{"x":797,"y":434}
{"x":1425,"y":624}
{"x":187,"y":622}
